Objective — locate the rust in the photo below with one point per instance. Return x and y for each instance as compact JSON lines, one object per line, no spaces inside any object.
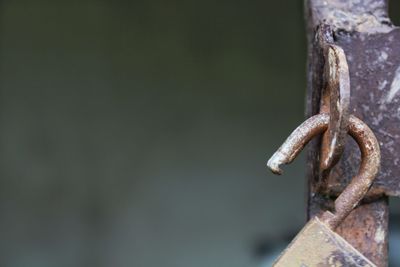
{"x":297,"y":140}
{"x":373,"y":59}
{"x":359,"y":185}
{"x":368,"y":16}
{"x":374,"y":65}
{"x":335,"y":100}
{"x":328,"y":248}
{"x":366,"y":229}
{"x":371,"y":44}
{"x":318,"y":246}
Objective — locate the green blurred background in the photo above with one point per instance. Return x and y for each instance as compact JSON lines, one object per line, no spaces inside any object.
{"x":136,"y":133}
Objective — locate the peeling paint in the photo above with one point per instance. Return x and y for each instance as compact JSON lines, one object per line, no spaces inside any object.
{"x":383,"y":56}
{"x":380,"y":235}
{"x":382,"y":84}
{"x":354,"y":15}
{"x":395,"y":86}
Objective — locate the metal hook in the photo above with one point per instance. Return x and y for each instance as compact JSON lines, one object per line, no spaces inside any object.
{"x":359,"y":185}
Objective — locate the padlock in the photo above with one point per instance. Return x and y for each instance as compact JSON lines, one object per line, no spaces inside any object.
{"x":317,"y":244}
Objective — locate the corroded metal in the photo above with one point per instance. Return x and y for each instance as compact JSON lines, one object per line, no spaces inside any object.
{"x":295,"y":143}
{"x":359,"y":185}
{"x":371,"y":44}
{"x":365,"y":228}
{"x":369,"y":224}
{"x":335,"y":100}
{"x":374,"y":63}
{"x":317,"y":244}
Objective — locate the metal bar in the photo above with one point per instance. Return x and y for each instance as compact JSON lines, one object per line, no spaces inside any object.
{"x":371,"y":44}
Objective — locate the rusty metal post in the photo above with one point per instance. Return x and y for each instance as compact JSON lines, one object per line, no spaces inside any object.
{"x":372,"y":48}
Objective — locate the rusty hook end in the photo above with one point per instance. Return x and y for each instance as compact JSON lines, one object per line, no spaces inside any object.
{"x":296,"y":141}
{"x":276,"y":161}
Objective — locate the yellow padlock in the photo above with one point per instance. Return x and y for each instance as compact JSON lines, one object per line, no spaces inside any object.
{"x":317,"y":245}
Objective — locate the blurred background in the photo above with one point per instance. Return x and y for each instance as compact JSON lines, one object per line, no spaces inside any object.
{"x":136,"y":133}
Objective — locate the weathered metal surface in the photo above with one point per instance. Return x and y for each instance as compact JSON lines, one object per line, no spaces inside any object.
{"x":374,"y":62}
{"x":369,"y":16}
{"x":372,"y":48}
{"x":371,"y":43}
{"x":318,"y":246}
{"x":335,"y":100}
{"x":296,"y":141}
{"x":369,"y":166}
{"x":366,"y":229}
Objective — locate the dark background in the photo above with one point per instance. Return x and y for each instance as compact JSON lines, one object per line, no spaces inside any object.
{"x":136,"y":133}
